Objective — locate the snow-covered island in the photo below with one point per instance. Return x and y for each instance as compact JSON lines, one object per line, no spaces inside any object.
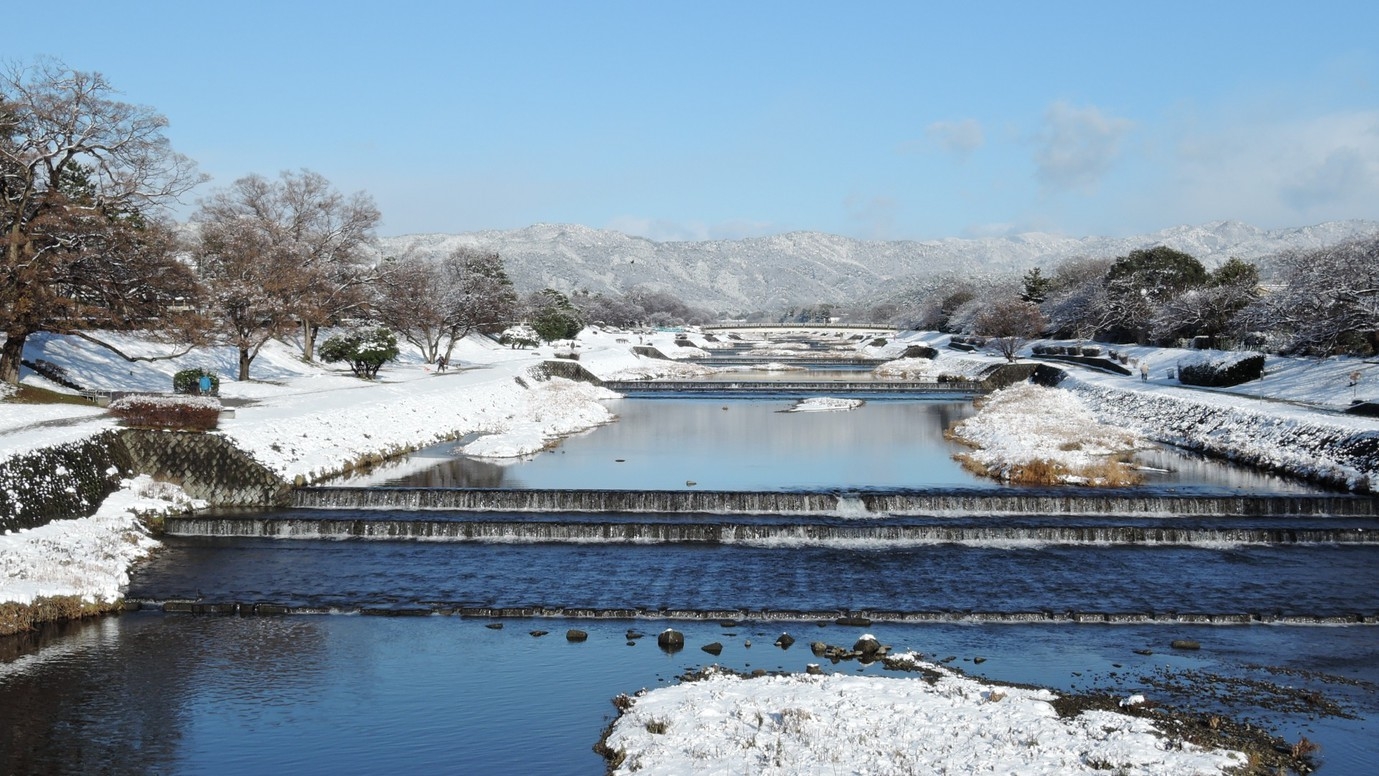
{"x":938,"y":722}
{"x":305,"y":422}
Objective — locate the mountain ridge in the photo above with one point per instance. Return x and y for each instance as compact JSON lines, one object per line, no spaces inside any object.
{"x":805,"y":267}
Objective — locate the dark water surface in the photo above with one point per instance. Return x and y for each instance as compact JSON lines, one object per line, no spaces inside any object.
{"x":1309,"y":581}
{"x":153,"y":693}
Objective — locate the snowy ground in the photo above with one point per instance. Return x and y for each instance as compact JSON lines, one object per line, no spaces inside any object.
{"x":304,"y":421}
{"x":1026,"y":423}
{"x":836,"y":723}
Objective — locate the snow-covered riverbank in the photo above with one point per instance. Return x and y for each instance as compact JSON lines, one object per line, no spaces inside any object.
{"x":304,"y":422}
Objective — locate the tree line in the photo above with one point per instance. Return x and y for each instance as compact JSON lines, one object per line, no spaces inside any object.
{"x":86,"y":185}
{"x":87,"y":182}
{"x":1314,"y":302}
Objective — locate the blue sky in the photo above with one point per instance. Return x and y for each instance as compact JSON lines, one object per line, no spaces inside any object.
{"x":693,"y":120}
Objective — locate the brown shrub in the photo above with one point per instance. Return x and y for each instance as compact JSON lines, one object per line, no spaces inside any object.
{"x":182,"y":413}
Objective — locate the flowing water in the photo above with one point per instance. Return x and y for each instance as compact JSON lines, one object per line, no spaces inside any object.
{"x":362,"y":634}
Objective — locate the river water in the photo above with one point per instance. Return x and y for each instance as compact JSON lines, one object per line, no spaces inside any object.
{"x":350,"y":689}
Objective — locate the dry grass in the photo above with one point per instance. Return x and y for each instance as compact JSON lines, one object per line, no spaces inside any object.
{"x":28,"y":394}
{"x":1107,"y":473}
{"x":18,"y":618}
{"x":1304,"y":747}
{"x":1111,"y":474}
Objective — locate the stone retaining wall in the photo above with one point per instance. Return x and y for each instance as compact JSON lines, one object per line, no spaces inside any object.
{"x":206,"y":466}
{"x":570,"y":370}
{"x":64,"y":481}
{"x":71,"y":480}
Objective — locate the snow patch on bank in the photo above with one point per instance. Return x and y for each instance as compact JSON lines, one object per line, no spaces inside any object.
{"x":806,"y":724}
{"x":825,"y":404}
{"x":1025,"y":423}
{"x":88,"y":557}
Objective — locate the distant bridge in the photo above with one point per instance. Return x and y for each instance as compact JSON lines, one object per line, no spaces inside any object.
{"x":878,"y":327}
{"x":793,"y":387}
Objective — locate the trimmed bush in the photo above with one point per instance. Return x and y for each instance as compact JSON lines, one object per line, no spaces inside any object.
{"x":189,"y":381}
{"x":919,"y":351}
{"x":365,"y":350}
{"x":180,"y":413}
{"x":1222,"y":372}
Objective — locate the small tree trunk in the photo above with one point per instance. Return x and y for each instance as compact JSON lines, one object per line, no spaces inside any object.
{"x":309,"y":331}
{"x":11,"y":353}
{"x":244,"y":360}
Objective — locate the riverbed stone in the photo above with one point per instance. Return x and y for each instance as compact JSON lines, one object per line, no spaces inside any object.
{"x":574,"y":634}
{"x":671,"y":639}
{"x":785,"y":640}
{"x":1185,"y":644}
{"x":713,"y":648}
{"x":867,"y":645}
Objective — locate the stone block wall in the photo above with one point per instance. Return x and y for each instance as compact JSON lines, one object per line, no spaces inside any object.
{"x":64,"y":481}
{"x":206,"y":466}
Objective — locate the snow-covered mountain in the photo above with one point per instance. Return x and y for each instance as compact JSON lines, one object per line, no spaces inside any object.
{"x":768,"y":273}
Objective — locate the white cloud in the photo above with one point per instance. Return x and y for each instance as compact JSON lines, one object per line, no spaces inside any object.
{"x":1344,"y":173}
{"x":957,"y":137}
{"x":1076,"y":146}
{"x":1278,"y":173}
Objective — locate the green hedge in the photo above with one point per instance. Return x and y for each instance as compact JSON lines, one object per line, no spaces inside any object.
{"x":189,"y":381}
{"x":1222,"y":373}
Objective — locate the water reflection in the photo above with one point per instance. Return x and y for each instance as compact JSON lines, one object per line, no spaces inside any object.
{"x":148,"y":693}
{"x":98,"y":697}
{"x":755,"y":444}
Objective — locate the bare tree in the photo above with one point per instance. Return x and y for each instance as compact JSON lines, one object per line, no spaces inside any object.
{"x":435,"y":304}
{"x":251,"y":284}
{"x":1208,"y":310}
{"x":326,"y":231}
{"x":1009,"y":322}
{"x":1329,"y":299}
{"x":1075,"y":301}
{"x":82,"y":179}
{"x":317,"y":235}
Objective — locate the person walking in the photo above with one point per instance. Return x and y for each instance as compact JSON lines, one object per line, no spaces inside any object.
{"x":1144,"y":372}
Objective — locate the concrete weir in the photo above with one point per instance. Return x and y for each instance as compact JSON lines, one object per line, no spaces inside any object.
{"x":857,"y":504}
{"x":526,"y":531}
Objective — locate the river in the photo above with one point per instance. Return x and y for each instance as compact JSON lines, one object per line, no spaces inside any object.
{"x":355,"y":682}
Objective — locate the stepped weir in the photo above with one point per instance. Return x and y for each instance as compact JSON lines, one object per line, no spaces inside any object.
{"x":960,"y":389}
{"x":734,"y":617}
{"x":848,"y":503}
{"x":646,"y":532}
